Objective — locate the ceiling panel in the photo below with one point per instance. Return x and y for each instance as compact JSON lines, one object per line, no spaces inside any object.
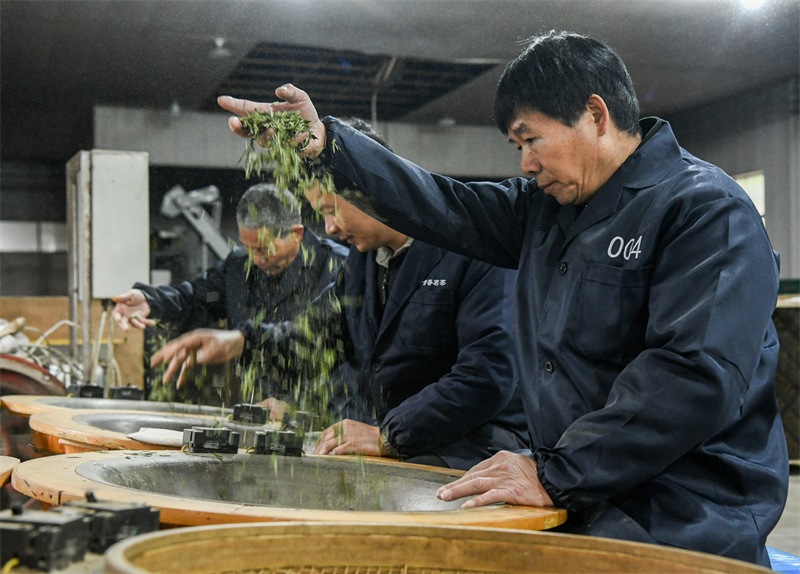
{"x":347,"y":82}
{"x":59,"y":58}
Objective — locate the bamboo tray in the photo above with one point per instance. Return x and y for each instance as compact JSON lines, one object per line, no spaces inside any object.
{"x":403,"y":549}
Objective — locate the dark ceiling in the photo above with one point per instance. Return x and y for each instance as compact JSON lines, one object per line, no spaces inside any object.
{"x":345,"y":82}
{"x":58,"y":58}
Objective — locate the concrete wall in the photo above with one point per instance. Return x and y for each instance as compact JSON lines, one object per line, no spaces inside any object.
{"x":756,"y":131}
{"x":204,"y":140}
{"x":774,"y":149}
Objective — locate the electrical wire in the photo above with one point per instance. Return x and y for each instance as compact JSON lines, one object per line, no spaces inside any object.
{"x":96,"y":348}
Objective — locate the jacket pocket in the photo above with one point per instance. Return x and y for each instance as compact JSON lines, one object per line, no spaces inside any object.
{"x":428,"y":320}
{"x":612,"y":314}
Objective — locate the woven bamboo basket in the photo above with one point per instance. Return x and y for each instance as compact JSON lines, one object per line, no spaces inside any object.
{"x":323,"y":548}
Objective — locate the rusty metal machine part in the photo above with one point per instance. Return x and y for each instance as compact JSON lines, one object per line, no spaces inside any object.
{"x":19,"y":376}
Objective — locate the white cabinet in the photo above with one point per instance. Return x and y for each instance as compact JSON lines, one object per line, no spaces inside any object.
{"x":108,"y":232}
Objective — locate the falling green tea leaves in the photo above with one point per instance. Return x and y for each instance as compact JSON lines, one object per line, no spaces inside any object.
{"x":275,"y":147}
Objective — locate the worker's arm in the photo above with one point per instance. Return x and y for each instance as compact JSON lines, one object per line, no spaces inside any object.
{"x":202,"y":346}
{"x":475,"y":219}
{"x":482,"y":379}
{"x":194,"y":304}
{"x":305,"y":347}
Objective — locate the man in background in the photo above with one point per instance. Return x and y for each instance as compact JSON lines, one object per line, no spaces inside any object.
{"x":280,"y":266}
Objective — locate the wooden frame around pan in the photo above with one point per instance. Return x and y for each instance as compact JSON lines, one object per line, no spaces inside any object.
{"x":54,"y":480}
{"x":26,"y":405}
{"x":57,"y":432}
{"x":7,"y":465}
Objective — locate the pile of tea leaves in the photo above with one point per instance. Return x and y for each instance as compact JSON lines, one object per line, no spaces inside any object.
{"x":281,"y":157}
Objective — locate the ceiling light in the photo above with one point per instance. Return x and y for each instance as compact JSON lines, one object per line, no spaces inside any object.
{"x":220,"y":52}
{"x":752,"y":4}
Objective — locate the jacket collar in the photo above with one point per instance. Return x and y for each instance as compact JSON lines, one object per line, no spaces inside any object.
{"x":648,"y":165}
{"x":294,"y":274}
{"x":309,"y":245}
{"x":417,"y":265}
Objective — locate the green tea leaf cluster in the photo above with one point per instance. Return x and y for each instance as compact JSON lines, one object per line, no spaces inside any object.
{"x":283,"y":136}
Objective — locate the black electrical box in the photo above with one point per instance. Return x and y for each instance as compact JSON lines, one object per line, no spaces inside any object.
{"x":127,"y":393}
{"x":85,"y":391}
{"x":114,"y":521}
{"x":247,"y":413}
{"x":284,"y":443}
{"x":203,"y":439}
{"x":44,"y":540}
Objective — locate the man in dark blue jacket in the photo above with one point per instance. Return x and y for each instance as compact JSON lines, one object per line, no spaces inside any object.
{"x":643,"y":304}
{"x":280,"y":267}
{"x":428,"y":333}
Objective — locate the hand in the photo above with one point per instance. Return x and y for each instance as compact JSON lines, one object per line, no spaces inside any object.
{"x":202,"y":346}
{"x":351,"y":437}
{"x":506,"y":477}
{"x":132,"y":309}
{"x":294,"y":99}
{"x":277,"y":408}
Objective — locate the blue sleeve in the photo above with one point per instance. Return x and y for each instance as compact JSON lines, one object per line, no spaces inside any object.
{"x":311,"y":344}
{"x":190,"y":304}
{"x":475,"y":219}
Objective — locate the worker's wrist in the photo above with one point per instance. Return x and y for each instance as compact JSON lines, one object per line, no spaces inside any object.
{"x":237,"y":344}
{"x":387,"y":448}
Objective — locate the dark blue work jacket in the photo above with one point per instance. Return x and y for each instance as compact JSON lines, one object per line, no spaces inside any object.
{"x":437,"y":366}
{"x":235,"y":290}
{"x":643,"y":327}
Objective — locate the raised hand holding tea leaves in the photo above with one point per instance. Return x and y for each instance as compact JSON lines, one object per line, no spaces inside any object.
{"x":276,"y":133}
{"x":289,"y":132}
{"x":295,"y":99}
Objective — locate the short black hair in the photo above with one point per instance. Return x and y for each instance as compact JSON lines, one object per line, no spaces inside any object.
{"x":366,"y":129}
{"x":264,"y":205}
{"x":557,"y":73}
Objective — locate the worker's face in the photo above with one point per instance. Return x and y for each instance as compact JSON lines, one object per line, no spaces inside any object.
{"x":269,"y":252}
{"x":351,"y":224}
{"x":562,"y":159}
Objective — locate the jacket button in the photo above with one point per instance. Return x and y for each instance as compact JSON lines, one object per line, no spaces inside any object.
{"x":376,"y":367}
{"x":548,"y":366}
{"x":562,"y":268}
